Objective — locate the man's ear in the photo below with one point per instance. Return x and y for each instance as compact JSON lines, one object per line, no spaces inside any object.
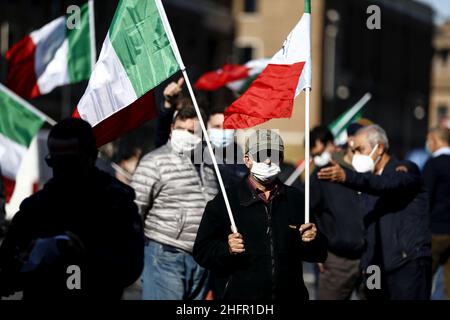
{"x":381,"y":149}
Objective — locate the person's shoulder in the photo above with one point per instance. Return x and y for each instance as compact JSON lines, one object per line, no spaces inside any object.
{"x":115,"y":188}
{"x":293,"y":191}
{"x":156,"y":154}
{"x":405,"y":166}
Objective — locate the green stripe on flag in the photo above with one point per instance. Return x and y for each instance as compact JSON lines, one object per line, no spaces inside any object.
{"x":140,"y":41}
{"x":307,"y":6}
{"x":17,"y":122}
{"x":79,"y":59}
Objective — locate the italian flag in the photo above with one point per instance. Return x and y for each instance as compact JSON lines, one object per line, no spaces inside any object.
{"x":339,"y":126}
{"x":135,"y":58}
{"x":19,"y":123}
{"x":54,"y":55}
{"x":272,"y":94}
{"x":234,"y":76}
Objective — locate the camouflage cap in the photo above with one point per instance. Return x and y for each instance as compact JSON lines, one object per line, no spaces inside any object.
{"x":263,"y":139}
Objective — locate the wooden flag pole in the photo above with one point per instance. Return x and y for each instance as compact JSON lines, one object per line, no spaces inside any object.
{"x":174,"y":46}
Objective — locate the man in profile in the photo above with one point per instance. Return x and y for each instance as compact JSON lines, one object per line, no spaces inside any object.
{"x":82,"y":217}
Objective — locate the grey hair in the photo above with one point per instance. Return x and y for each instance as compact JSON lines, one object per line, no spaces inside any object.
{"x":375,"y":135}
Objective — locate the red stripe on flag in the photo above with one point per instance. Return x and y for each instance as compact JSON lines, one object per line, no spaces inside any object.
{"x":21,"y":76}
{"x":128,"y":118}
{"x":9,"y":188}
{"x":213,"y":80}
{"x":270,"y":96}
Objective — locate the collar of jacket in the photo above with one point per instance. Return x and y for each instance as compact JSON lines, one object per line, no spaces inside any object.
{"x":391,"y":165}
{"x":247,"y":196}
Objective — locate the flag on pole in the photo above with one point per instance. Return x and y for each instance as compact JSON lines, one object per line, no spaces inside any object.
{"x":19,"y":123}
{"x":135,"y":58}
{"x":339,"y":126}
{"x":272,"y":94}
{"x":53,"y":56}
{"x":236,"y":77}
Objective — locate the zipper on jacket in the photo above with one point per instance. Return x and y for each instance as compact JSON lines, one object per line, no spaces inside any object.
{"x":226,"y":287}
{"x":270,"y":235}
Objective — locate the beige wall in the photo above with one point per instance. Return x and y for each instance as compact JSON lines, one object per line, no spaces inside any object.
{"x":266,"y":30}
{"x":440,"y":79}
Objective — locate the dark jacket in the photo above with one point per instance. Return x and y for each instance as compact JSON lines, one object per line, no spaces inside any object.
{"x":2,"y":206}
{"x":396,"y":214}
{"x":339,"y":216}
{"x":271,"y":267}
{"x":436,"y":174}
{"x":104,"y":217}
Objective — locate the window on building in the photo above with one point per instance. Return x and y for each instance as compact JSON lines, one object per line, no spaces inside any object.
{"x":442,"y":111}
{"x":250,"y":6}
{"x":244,"y":54}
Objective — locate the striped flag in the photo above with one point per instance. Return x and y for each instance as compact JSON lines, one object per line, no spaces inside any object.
{"x":19,"y":123}
{"x":53,"y":56}
{"x":135,"y":58}
{"x":272,"y":94}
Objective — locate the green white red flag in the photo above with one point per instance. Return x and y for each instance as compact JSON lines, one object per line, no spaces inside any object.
{"x":53,"y":56}
{"x":272,"y":94}
{"x":135,"y":58}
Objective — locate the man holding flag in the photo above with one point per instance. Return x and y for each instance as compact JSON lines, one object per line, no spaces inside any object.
{"x":264,"y":260}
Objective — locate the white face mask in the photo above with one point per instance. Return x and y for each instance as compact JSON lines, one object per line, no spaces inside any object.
{"x":221,"y":138}
{"x":364,"y":163}
{"x":265,"y":173}
{"x":183,"y":141}
{"x":323,"y":159}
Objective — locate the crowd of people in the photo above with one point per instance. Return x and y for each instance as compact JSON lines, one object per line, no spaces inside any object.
{"x":165,"y":223}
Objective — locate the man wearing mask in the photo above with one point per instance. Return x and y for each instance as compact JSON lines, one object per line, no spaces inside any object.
{"x":437,"y":180}
{"x":338,"y":217}
{"x":322,"y":145}
{"x":395,"y":207}
{"x":171,"y":192}
{"x":264,"y":260}
{"x":228,"y":153}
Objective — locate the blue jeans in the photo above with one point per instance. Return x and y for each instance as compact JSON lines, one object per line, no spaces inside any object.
{"x":171,"y":274}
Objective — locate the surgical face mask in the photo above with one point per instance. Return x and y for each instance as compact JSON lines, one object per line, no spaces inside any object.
{"x":183,"y":141}
{"x":364,"y":163}
{"x":323,"y":159}
{"x":221,"y":138}
{"x":265,"y":173}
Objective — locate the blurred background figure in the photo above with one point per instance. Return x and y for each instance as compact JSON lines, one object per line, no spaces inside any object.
{"x":128,"y":164}
{"x":437,"y":180}
{"x":339,"y":217}
{"x":395,"y":208}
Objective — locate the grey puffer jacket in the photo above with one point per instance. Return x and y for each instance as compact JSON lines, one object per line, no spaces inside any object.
{"x":171,"y":196}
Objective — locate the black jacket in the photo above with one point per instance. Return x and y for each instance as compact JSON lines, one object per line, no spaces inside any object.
{"x":2,"y":206}
{"x":437,"y":180}
{"x":102,"y":214}
{"x":271,"y":267}
{"x":339,"y":216}
{"x":396,"y":214}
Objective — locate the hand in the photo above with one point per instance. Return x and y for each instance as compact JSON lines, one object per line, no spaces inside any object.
{"x":235,"y":243}
{"x":333,"y":173}
{"x":308,"y":231}
{"x":171,"y":92}
{"x":321,"y":267}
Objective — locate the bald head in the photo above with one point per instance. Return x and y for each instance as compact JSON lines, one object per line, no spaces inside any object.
{"x":438,"y":138}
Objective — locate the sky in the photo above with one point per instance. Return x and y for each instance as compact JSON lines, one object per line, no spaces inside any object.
{"x":441,"y":8}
